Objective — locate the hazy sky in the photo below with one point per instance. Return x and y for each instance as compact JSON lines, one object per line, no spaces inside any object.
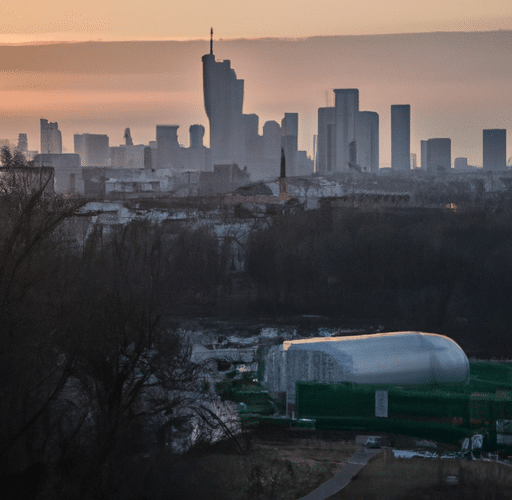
{"x":165,"y":19}
{"x":456,"y":83}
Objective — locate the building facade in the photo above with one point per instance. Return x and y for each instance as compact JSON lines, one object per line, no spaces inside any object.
{"x":494,"y":149}
{"x":223,"y":102}
{"x":368,"y":141}
{"x":400,"y":137}
{"x":346,"y":115}
{"x":51,"y":137}
{"x":326,"y":140}
{"x":93,"y":149}
{"x":439,"y":155}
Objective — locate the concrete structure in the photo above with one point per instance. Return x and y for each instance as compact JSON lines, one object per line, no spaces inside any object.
{"x":196,"y":136}
{"x":289,"y":135}
{"x":290,"y":125}
{"x":223,"y":179}
{"x":271,"y":149}
{"x":22,"y":143}
{"x":67,"y":177}
{"x":128,"y":141}
{"x":494,"y":149}
{"x":424,"y":155}
{"x":51,"y":138}
{"x":197,"y":156}
{"x":326,"y":140}
{"x":399,"y":358}
{"x":460,"y":164}
{"x":346,"y":115}
{"x":414,"y":161}
{"x":223,"y":102}
{"x":168,"y":148}
{"x":400,"y":137}
{"x":99,"y":181}
{"x":253,"y":142}
{"x":135,"y":156}
{"x":368,"y":141}
{"x":439,"y":155}
{"x":93,"y":149}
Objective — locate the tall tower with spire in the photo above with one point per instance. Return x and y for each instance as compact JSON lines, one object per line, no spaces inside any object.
{"x":223,"y":102}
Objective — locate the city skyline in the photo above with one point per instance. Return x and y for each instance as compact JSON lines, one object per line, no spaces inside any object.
{"x":456,"y":84}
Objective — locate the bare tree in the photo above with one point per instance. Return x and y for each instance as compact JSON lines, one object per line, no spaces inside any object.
{"x":31,"y":372}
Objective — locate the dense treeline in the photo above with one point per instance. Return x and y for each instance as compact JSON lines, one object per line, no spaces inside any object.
{"x":433,"y":270}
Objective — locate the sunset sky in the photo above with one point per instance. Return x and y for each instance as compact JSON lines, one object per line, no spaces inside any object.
{"x":456,"y":85}
{"x":164,"y":19}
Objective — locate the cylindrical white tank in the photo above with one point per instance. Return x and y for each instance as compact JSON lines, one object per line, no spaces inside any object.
{"x":398,"y":358}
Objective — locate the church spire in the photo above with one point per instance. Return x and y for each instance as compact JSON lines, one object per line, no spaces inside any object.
{"x":211,"y":41}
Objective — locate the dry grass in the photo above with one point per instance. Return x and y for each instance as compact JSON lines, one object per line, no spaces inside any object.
{"x":425,"y":478}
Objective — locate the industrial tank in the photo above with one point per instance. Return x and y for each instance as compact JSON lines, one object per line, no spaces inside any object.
{"x":397,"y":358}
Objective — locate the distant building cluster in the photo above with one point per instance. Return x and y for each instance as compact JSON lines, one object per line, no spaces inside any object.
{"x":347,"y":140}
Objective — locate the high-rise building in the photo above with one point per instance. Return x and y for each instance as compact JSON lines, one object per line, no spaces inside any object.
{"x":128,"y":141}
{"x":289,"y":145}
{"x":22,"y":143}
{"x":400,"y":137}
{"x":272,"y":141}
{"x":414,"y":161}
{"x":326,"y":140}
{"x":346,"y":114}
{"x":196,"y":133}
{"x":368,"y":141}
{"x":424,"y":155}
{"x":252,"y":140}
{"x":51,"y":138}
{"x":494,"y":149}
{"x":93,"y":149}
{"x":223,"y":102}
{"x":197,"y":156}
{"x":439,"y":155}
{"x":167,"y":146}
{"x":290,"y":124}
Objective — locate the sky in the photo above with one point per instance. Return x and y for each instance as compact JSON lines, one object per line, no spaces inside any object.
{"x":290,"y":54}
{"x":24,"y":20}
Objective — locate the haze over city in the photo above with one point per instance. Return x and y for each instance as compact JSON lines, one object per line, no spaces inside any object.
{"x":456,"y":79}
{"x":255,"y":250}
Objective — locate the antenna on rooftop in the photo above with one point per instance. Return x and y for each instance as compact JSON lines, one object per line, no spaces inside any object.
{"x":211,"y":41}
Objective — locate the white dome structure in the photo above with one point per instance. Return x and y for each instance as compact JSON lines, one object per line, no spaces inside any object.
{"x":398,"y":358}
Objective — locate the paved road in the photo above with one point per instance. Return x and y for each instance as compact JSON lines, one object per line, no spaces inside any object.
{"x":346,"y":473}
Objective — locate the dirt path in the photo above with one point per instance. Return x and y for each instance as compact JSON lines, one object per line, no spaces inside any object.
{"x":343,"y":477}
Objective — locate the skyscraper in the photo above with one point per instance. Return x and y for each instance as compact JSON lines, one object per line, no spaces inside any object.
{"x":196,"y":133}
{"x":439,"y":155}
{"x":346,"y":113}
{"x":494,"y":149}
{"x":368,"y":141}
{"x":22,"y":143}
{"x":400,"y":137}
{"x":289,"y":132}
{"x":51,"y":138}
{"x":167,"y":146}
{"x":326,"y":140}
{"x":424,"y":155}
{"x":223,"y":102}
{"x":93,"y":149}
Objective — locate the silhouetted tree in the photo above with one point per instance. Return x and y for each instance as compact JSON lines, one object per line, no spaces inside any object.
{"x":32,"y":371}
